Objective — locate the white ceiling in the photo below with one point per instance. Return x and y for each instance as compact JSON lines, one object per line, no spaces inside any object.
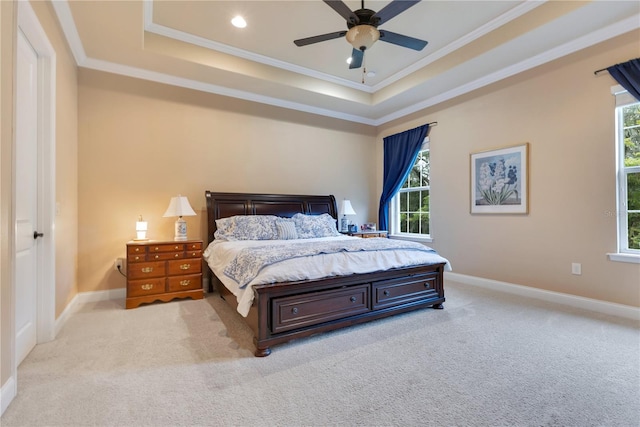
{"x":471,"y":44}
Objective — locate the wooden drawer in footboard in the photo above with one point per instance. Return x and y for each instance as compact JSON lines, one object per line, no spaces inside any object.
{"x":299,"y":311}
{"x":421,"y":287}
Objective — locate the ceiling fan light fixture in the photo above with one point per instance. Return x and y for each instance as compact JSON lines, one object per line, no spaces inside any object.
{"x":362,"y":37}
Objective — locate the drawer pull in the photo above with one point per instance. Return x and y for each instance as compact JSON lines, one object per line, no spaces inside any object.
{"x":157,"y":256}
{"x":147,"y":286}
{"x":177,"y":255}
{"x":353,"y":299}
{"x":294,"y":310}
{"x":177,"y":247}
{"x":137,"y":258}
{"x":137,"y":249}
{"x":147,"y":269}
{"x":185,"y":282}
{"x":386,"y":293}
{"x":156,"y":249}
{"x":185,"y":266}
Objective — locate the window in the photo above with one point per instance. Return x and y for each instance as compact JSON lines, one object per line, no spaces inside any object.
{"x":409,"y":210}
{"x":628,"y":144}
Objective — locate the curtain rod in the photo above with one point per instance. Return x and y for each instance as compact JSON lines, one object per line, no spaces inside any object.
{"x":596,"y":72}
{"x":433,"y":124}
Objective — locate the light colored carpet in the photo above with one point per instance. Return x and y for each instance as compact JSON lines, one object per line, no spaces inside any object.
{"x":487,"y":359}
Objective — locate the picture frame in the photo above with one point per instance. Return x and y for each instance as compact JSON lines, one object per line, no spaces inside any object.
{"x":500,"y":181}
{"x":369,"y":226}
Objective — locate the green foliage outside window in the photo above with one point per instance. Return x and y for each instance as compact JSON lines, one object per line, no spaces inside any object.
{"x":414,"y":197}
{"x":631,"y":124}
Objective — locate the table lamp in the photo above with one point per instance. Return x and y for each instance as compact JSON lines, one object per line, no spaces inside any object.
{"x":179,"y":206}
{"x":141,"y":229}
{"x":345,"y":209}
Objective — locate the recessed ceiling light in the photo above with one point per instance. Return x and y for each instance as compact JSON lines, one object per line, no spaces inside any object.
{"x":239,"y":22}
{"x":371,"y":74}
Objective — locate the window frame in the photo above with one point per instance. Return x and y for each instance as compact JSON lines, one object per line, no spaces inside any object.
{"x":394,"y":206}
{"x":625,"y":254}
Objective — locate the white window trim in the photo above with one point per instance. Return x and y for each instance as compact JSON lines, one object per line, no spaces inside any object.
{"x":623,"y":254}
{"x":394,"y":220}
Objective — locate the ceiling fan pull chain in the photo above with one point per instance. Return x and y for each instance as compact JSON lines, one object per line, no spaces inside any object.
{"x":364,"y":69}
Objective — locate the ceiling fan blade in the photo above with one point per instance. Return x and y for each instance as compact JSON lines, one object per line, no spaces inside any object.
{"x":392,"y":10}
{"x":400,"y":40}
{"x":357,"y":56}
{"x":343,"y":10}
{"x":320,"y":38}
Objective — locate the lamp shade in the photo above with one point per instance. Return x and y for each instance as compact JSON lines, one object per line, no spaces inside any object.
{"x":179,"y":206}
{"x":346,"y":208}
{"x":362,"y":37}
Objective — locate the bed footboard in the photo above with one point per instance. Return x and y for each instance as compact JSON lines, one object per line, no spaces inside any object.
{"x":285,"y":311}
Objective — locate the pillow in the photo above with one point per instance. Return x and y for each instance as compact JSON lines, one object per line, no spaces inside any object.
{"x":247,"y":227}
{"x":286,"y":229}
{"x":310,"y":226}
{"x":224,"y":228}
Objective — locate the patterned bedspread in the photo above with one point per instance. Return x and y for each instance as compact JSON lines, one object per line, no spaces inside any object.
{"x":249,"y":261}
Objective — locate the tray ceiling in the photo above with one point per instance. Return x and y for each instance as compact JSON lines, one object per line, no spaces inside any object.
{"x":471,"y":44}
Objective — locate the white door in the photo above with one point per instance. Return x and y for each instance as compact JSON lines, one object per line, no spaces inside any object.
{"x":26,"y":195}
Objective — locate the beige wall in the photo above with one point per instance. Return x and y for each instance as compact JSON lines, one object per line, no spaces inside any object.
{"x":7,"y":39}
{"x":566,"y":114}
{"x":140,"y":143}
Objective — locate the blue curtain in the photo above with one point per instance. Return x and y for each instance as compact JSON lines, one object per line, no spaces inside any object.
{"x":628,"y":75}
{"x":400,"y":152}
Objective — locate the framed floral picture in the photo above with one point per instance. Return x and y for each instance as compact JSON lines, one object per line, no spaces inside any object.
{"x":499,"y":181}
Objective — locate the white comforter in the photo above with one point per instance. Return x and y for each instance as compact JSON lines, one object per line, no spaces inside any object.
{"x":220,"y":253}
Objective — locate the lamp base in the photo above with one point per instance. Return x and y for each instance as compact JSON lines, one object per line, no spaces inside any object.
{"x":344,"y":224}
{"x":180,"y":229}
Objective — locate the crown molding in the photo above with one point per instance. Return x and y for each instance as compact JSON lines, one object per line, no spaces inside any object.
{"x":70,"y":31}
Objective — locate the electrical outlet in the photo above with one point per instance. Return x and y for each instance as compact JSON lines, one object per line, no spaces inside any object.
{"x":576,"y":268}
{"x":118,"y":265}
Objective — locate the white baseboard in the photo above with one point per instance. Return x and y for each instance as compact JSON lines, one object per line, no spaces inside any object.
{"x":85,"y":297}
{"x":604,"y":307}
{"x":7,"y":394}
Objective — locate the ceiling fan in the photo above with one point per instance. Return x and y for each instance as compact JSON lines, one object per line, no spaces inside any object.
{"x":363,"y":29}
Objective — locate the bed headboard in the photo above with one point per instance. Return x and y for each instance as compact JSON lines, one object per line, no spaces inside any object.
{"x":223,"y":205}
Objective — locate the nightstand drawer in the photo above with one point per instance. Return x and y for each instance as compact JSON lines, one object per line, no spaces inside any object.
{"x":160,"y":256}
{"x":185,"y":266}
{"x":194,"y":246}
{"x":137,"y":258}
{"x":136,"y":288}
{"x":145,"y":269}
{"x":184,"y":283}
{"x":172,"y":247}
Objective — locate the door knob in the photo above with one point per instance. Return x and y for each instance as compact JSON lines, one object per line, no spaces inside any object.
{"x":36,"y":234}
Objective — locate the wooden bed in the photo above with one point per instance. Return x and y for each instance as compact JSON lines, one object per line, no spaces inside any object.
{"x":285,"y":311}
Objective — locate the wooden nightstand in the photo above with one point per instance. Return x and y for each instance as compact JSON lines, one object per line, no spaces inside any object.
{"x":365,"y":234}
{"x":163,"y":270}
